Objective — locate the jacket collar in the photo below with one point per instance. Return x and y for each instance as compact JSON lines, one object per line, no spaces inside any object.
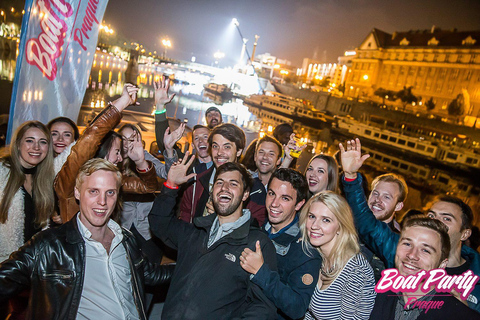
{"x":71,"y":228}
{"x":237,"y":234}
{"x":73,"y":234}
{"x":288,"y":236}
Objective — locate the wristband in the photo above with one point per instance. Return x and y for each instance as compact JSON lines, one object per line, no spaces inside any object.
{"x":169,"y":187}
{"x":160,"y":112}
{"x":144,"y":170}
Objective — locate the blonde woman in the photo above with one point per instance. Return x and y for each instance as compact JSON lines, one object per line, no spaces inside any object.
{"x":345,"y":289}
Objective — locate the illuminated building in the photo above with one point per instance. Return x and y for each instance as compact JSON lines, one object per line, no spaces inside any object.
{"x":437,"y":64}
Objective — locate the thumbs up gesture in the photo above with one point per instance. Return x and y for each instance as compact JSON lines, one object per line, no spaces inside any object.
{"x":252,"y":261}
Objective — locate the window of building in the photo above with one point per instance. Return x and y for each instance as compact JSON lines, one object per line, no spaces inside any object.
{"x":411,"y":144}
{"x":452,"y":156}
{"x":401,"y":142}
{"x":421,"y":147}
{"x":384,"y":137}
{"x":392,"y":139}
{"x":443,"y":180}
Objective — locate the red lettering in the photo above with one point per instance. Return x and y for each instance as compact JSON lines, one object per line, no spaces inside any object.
{"x":44,"y":50}
{"x":87,"y":23}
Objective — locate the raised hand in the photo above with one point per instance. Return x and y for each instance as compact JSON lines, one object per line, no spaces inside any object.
{"x":287,"y":148}
{"x":135,"y":152}
{"x":169,"y":139}
{"x":162,"y":97}
{"x":352,"y":159}
{"x":209,"y":206}
{"x":178,"y":171}
{"x":252,"y":261}
{"x":128,"y":97}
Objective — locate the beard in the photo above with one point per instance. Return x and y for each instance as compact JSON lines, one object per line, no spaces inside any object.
{"x":227,"y":209}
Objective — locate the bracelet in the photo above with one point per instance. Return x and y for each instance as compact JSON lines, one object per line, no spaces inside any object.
{"x":160,"y":112}
{"x":170,"y":187}
{"x":144,"y":170}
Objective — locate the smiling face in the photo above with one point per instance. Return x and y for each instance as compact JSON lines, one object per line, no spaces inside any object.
{"x":115,"y":153}
{"x":418,"y":248}
{"x":317,"y":175}
{"x":33,"y":147}
{"x":267,"y":157}
{"x":128,"y":136}
{"x":451,"y":215}
{"x":200,"y":142}
{"x":224,"y":150}
{"x":322,"y":227}
{"x":214,"y":118}
{"x":62,"y":136}
{"x":281,"y":203}
{"x":383,"y":200}
{"x":97,"y":196}
{"x":228,"y":193}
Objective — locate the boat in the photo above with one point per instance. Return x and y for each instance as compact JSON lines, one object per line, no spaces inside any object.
{"x":437,"y":150}
{"x":301,"y":110}
{"x":221,"y":90}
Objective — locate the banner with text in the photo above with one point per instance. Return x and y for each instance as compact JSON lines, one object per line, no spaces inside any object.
{"x":57,"y":48}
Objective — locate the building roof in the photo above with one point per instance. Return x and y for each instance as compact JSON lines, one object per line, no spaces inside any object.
{"x":435,"y":37}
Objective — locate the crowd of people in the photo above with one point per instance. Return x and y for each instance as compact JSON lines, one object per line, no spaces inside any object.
{"x":85,"y":223}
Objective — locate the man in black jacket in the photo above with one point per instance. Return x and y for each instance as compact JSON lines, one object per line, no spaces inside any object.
{"x":209,"y":282}
{"x":89,"y":267}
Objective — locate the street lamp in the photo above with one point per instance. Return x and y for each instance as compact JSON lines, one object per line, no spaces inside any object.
{"x":167,"y":44}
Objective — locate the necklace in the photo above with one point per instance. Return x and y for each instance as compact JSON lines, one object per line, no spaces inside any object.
{"x":31,"y":171}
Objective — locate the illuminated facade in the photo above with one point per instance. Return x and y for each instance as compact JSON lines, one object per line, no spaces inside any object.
{"x":337,"y":72}
{"x":438,"y":64}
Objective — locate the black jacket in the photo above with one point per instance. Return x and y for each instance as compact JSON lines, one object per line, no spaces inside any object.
{"x":209,"y":283}
{"x":52,"y":265}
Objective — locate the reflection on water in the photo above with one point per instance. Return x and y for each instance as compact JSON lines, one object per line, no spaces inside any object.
{"x":7,"y":66}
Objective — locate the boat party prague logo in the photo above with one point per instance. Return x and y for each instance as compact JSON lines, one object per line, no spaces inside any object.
{"x":426,"y":281}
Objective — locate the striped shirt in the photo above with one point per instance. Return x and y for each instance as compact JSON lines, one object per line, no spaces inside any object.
{"x":350,"y":296}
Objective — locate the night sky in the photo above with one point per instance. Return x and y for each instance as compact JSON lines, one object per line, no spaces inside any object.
{"x":293,"y":30}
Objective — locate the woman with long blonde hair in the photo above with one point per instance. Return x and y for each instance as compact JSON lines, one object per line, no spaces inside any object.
{"x":26,"y":186}
{"x":345,"y":289}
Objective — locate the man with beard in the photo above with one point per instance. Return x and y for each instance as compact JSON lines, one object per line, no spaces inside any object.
{"x":389,"y":192}
{"x":209,"y":282}
{"x":213,"y":116}
{"x":226,"y":143}
{"x":424,"y":244}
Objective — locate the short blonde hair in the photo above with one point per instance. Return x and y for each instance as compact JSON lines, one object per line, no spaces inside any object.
{"x":346,"y":244}
{"x":94,"y":165}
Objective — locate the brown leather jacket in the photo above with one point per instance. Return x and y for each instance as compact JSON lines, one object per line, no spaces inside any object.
{"x":84,"y":150}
